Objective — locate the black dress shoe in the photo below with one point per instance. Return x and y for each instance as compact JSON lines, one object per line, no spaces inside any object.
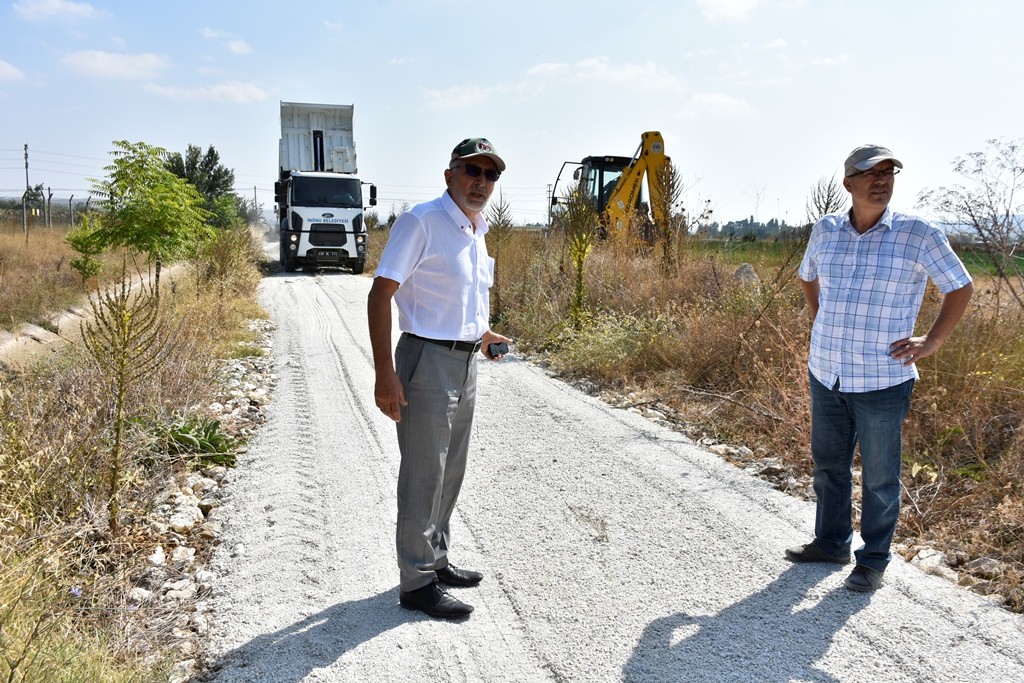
{"x":812,"y":553}
{"x":863,"y":579}
{"x":453,"y":576}
{"x":433,"y":600}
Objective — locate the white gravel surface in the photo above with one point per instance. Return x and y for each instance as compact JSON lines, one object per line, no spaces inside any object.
{"x":613,"y":548}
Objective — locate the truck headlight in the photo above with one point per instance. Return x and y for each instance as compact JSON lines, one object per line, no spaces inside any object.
{"x":294,"y":238}
{"x":361,"y":238}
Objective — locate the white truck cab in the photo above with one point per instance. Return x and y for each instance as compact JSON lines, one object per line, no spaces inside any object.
{"x":319,"y":196}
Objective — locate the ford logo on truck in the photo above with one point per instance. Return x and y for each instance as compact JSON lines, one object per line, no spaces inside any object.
{"x":328,"y":215}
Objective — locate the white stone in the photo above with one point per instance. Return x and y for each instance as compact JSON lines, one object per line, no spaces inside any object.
{"x":186,"y":517}
{"x":182,"y":671}
{"x":183,"y":555}
{"x":158,"y":557}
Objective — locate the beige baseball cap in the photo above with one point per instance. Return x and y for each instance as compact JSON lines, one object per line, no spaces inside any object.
{"x":868,"y":156}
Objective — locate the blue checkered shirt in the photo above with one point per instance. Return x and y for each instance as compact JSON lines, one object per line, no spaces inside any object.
{"x":871,"y":287}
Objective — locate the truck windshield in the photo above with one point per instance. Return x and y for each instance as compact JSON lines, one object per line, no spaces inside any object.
{"x":337,"y":192}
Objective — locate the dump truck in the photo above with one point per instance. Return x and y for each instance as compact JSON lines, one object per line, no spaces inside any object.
{"x":318,"y":193}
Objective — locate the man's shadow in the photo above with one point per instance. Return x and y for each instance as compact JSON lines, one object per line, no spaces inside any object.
{"x":767,"y":637}
{"x":289,"y":654}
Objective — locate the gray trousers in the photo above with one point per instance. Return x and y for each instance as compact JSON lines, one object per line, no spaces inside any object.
{"x":433,"y":439}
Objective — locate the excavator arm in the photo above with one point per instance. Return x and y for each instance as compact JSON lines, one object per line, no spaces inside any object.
{"x":649,"y":160}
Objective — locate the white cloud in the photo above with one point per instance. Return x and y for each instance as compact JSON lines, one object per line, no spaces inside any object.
{"x":457,"y":97}
{"x":549,"y":69}
{"x":114,"y":65}
{"x":729,"y":10}
{"x":832,"y":61}
{"x":235,"y":45}
{"x":776,"y":44}
{"x":9,"y":72}
{"x":715,"y":105}
{"x":643,"y":76}
{"x":228,"y":91}
{"x":37,"y":10}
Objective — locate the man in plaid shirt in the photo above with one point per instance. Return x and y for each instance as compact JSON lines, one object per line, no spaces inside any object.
{"x":864,"y":275}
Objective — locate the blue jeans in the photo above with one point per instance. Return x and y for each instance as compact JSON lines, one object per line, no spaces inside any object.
{"x":839,"y":420}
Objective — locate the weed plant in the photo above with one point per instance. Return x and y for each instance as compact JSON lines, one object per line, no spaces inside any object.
{"x":64,"y":577}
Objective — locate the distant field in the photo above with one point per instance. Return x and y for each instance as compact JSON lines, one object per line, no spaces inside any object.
{"x":772,"y":254}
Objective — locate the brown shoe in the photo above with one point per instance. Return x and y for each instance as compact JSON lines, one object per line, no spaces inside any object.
{"x":433,"y":600}
{"x":812,"y":553}
{"x":453,"y":576}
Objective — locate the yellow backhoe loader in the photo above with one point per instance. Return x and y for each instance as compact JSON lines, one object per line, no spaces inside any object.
{"x":615,"y":184}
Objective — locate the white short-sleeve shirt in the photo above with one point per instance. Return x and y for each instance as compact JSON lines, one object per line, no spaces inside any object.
{"x":443,"y":270}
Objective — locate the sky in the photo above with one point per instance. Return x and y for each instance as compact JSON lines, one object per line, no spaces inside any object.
{"x":757,"y":99}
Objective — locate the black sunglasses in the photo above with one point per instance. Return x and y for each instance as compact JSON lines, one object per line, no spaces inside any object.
{"x":474,"y":171}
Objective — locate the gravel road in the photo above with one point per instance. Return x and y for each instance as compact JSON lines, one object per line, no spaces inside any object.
{"x":614,"y":549}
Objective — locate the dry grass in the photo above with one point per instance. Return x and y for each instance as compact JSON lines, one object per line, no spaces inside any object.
{"x":64,"y":577}
{"x":36,"y":278}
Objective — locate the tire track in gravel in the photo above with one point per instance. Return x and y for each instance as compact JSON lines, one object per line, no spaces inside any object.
{"x":289,"y":510}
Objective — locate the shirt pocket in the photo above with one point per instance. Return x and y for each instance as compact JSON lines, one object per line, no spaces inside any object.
{"x":895,"y":276}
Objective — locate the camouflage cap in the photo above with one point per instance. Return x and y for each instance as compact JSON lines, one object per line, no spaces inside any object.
{"x":477,"y":147}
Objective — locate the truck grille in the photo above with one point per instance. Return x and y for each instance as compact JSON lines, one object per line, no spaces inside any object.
{"x":327,"y":235}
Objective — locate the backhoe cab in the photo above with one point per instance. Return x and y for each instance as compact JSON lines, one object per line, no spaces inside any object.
{"x":615,"y":184}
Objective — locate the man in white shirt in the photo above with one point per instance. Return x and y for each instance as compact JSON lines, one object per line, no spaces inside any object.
{"x":436,"y":268}
{"x":864,"y":276}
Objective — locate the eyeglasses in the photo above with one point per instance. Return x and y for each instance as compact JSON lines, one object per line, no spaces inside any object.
{"x":474,"y":171}
{"x":887,"y":174}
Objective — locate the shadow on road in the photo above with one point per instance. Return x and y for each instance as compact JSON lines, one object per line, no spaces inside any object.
{"x":290,"y":654}
{"x":770,"y":636}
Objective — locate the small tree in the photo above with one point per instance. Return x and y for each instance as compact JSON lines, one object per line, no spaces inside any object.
{"x":499,"y":232}
{"x":249,"y":210}
{"x":214,"y":180}
{"x":126,"y":340}
{"x":371,"y":220}
{"x":827,"y":196}
{"x":145,"y":209}
{"x":991,"y":206}
{"x":579,"y":221}
{"x":669,"y":219}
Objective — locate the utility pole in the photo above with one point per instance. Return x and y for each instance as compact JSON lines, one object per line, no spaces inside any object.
{"x":71,"y":211}
{"x":49,"y":205}
{"x":24,"y":199}
{"x":549,"y":205}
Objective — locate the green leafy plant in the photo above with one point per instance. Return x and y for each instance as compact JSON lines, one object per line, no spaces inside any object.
{"x":144,"y":208}
{"x":199,"y":438}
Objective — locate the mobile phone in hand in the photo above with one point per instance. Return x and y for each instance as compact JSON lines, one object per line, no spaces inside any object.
{"x":498,"y":349}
